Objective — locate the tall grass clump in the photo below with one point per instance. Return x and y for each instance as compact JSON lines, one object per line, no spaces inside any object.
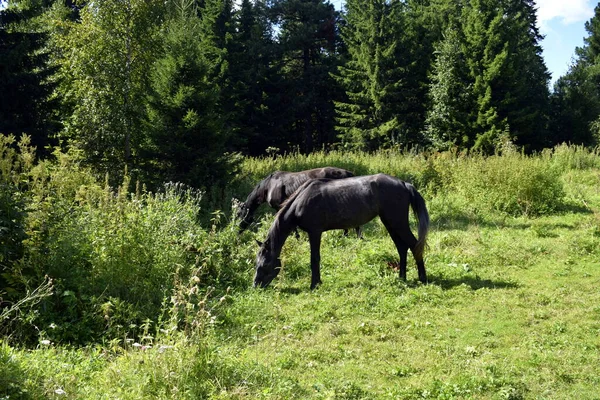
{"x":117,"y":257}
{"x":514,"y":184}
{"x":571,"y":157}
{"x":406,"y":165}
{"x":16,"y":161}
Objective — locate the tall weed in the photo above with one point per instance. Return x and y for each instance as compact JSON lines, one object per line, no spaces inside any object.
{"x":571,"y":157}
{"x":513,"y":183}
{"x":116,"y":256}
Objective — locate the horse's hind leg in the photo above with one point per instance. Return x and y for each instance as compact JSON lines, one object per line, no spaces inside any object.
{"x":358,"y":232}
{"x":420,"y":265}
{"x":403,"y":252}
{"x":401,"y":246}
{"x":315,"y":258}
{"x":404,"y":239}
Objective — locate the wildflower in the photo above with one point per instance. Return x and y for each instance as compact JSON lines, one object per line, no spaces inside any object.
{"x":163,"y":347}
{"x":45,"y":342}
{"x":60,"y":392}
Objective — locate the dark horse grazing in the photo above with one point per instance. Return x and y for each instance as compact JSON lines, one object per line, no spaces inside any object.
{"x":280,"y":185}
{"x":324,"y":204}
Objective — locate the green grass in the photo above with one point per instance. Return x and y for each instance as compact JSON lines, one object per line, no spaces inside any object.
{"x":511,"y":311}
{"x":508,"y":313}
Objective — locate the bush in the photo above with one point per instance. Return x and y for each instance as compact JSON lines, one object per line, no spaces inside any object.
{"x":16,"y":161}
{"x":116,"y":257}
{"x":569,"y":157}
{"x":513,"y":183}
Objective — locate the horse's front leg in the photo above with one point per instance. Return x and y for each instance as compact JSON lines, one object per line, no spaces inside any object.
{"x":315,"y":258}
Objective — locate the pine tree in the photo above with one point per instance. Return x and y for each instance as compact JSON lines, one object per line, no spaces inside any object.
{"x":26,"y":105}
{"x":186,"y":141}
{"x":449,"y":120}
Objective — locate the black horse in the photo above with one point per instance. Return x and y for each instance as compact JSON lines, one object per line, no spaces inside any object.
{"x":280,"y":185}
{"x":323,"y":204}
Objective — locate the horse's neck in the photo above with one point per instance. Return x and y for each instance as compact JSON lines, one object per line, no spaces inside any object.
{"x":278,"y":234}
{"x":256,"y":197}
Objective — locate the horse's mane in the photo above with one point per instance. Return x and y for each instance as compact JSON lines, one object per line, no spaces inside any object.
{"x":259,"y":186}
{"x":288,"y":202}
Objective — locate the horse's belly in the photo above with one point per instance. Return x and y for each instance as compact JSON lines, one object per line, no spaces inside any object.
{"x":339,"y":208}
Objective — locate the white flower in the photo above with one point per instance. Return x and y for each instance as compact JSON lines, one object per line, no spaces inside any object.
{"x":162,"y":348}
{"x":60,"y":392}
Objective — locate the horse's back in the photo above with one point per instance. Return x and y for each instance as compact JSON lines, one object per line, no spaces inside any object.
{"x":326,"y":204}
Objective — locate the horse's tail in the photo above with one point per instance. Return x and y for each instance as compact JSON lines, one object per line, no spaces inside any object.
{"x":418,"y":205}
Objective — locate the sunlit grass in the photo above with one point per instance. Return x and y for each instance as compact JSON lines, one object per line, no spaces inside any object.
{"x":511,"y":311}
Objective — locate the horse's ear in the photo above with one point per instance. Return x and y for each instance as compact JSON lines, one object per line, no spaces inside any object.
{"x":259,"y":243}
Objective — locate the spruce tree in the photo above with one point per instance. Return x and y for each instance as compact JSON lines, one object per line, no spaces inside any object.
{"x":307,"y":40}
{"x":26,"y":87}
{"x":186,"y":140}
{"x":390,"y":46}
{"x":449,"y":120}
{"x":250,"y":98}
{"x":372,"y":75}
{"x":510,"y":78}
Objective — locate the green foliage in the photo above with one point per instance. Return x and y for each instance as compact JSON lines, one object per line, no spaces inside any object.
{"x":307,"y":46}
{"x":449,"y":122}
{"x":26,"y":84}
{"x":186,"y":140}
{"x":512,"y":183}
{"x":498,"y":283}
{"x":114,"y":256}
{"x":16,"y":161}
{"x":506,"y":66}
{"x":104,"y":59}
{"x":575,"y":157}
{"x":382,"y":91}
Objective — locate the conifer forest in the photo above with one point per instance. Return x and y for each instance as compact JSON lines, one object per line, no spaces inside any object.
{"x":133,"y":131}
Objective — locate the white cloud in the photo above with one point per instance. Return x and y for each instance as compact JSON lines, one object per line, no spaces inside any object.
{"x":570,"y":11}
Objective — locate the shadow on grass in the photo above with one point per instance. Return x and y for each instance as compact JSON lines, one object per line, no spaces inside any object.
{"x":292,"y":290}
{"x":463,"y":221}
{"x":474,"y":282}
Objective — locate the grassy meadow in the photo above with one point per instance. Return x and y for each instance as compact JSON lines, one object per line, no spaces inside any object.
{"x":511,"y":311}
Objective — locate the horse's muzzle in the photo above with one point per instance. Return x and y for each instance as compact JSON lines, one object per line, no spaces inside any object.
{"x":264,"y":280}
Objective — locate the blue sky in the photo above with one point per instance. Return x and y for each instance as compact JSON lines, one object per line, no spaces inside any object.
{"x":563,"y":24}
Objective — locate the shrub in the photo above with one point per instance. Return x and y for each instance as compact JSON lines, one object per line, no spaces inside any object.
{"x":114,"y":255}
{"x":16,"y":160}
{"x":569,"y":157}
{"x":512,"y":183}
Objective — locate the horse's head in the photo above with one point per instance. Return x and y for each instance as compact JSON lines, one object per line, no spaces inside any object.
{"x":243,"y":215}
{"x":268,"y":265}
